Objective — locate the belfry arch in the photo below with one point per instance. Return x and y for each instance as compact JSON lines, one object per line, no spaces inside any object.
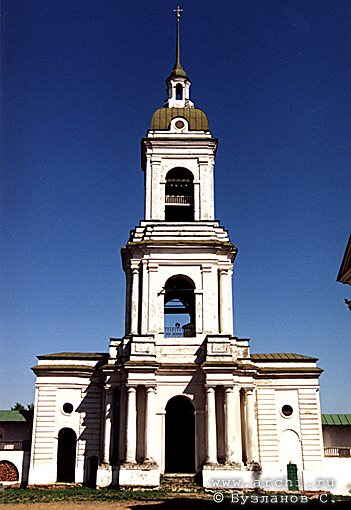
{"x":179,"y":195}
{"x":179,"y":307}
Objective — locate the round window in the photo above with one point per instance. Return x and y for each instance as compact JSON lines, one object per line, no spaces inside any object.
{"x":287,"y":410}
{"x":67,"y":408}
{"x":179,"y":124}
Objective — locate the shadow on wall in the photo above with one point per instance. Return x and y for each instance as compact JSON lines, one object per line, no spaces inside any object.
{"x":90,"y":439}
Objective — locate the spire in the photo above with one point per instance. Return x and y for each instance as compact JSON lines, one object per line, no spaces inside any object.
{"x":178,"y":84}
{"x":178,"y":68}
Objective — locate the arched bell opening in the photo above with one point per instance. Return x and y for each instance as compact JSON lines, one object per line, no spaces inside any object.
{"x":179,"y":204}
{"x":179,"y":307}
{"x":180,"y":436}
{"x":179,"y":91}
{"x":66,"y":455}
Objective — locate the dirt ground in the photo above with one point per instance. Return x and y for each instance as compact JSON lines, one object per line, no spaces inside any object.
{"x":171,"y":504}
{"x":86,"y":505}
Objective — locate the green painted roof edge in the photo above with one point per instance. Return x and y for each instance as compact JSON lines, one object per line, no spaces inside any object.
{"x":281,"y":356}
{"x":15,"y":415}
{"x":336,"y":419}
{"x":74,"y":355}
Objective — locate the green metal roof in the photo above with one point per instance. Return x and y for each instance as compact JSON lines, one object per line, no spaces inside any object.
{"x":336,"y":419}
{"x":197,"y":119}
{"x":281,"y":356}
{"x":7,"y":415}
{"x":74,"y":355}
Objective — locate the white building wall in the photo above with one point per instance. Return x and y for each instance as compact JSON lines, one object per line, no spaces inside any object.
{"x":49,"y":418}
{"x":21,"y":460}
{"x":267,"y":429}
{"x":311,"y":429}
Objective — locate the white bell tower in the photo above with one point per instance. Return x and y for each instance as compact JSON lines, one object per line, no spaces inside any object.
{"x":178,"y":261}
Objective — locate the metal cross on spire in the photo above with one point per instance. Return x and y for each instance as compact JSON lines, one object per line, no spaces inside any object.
{"x":178,"y":69}
{"x":178,"y":12}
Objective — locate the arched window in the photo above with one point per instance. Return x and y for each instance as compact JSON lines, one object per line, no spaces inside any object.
{"x":179,"y":195}
{"x":179,"y":307}
{"x":179,"y":91}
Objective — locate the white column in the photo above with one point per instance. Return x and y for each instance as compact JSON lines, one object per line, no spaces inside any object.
{"x":230,"y":301}
{"x":128,"y":300}
{"x":157,"y":192}
{"x":197,"y":205}
{"x":237,"y":425}
{"x":251,"y":426}
{"x":145,"y":299}
{"x":198,"y":311}
{"x":131,"y":425}
{"x":148,"y":188}
{"x":233,"y":448}
{"x":224,"y":303}
{"x":150,"y":424}
{"x":108,"y":420}
{"x":229,"y":425}
{"x":154,"y":314}
{"x":135,"y":298}
{"x":211,"y":188}
{"x":211,"y":436}
{"x":205,"y":190}
{"x":208,"y":305}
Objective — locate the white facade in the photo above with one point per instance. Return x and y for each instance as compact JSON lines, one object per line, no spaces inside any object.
{"x":182,"y":396}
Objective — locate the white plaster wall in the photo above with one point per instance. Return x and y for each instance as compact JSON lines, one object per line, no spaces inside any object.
{"x":336,"y":475}
{"x":51,"y":394}
{"x":303,"y":396}
{"x":20,"y":459}
{"x":288,"y":429}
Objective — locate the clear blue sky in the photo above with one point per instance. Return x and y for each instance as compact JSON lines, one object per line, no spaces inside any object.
{"x":80,"y":81}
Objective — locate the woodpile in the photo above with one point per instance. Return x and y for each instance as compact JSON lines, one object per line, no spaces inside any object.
{"x":8,"y":471}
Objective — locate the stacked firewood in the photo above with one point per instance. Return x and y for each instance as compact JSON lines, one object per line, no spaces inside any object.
{"x":8,"y":471}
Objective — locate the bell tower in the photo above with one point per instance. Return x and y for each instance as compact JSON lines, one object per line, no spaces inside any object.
{"x":179,"y":393}
{"x":178,"y":261}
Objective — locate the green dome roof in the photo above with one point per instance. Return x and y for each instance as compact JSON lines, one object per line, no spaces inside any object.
{"x":197,"y":119}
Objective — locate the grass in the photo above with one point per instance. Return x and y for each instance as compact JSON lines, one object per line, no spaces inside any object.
{"x":76,"y":494}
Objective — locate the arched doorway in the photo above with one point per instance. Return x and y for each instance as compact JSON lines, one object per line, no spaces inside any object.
{"x":180,"y":436}
{"x":66,"y":455}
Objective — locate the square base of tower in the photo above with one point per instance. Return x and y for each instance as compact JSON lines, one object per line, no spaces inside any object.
{"x":139,"y":475}
{"x":104,"y":475}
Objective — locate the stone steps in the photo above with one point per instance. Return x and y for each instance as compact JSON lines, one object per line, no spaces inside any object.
{"x":180,"y":482}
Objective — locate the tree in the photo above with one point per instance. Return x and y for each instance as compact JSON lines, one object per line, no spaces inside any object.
{"x":20,"y":407}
